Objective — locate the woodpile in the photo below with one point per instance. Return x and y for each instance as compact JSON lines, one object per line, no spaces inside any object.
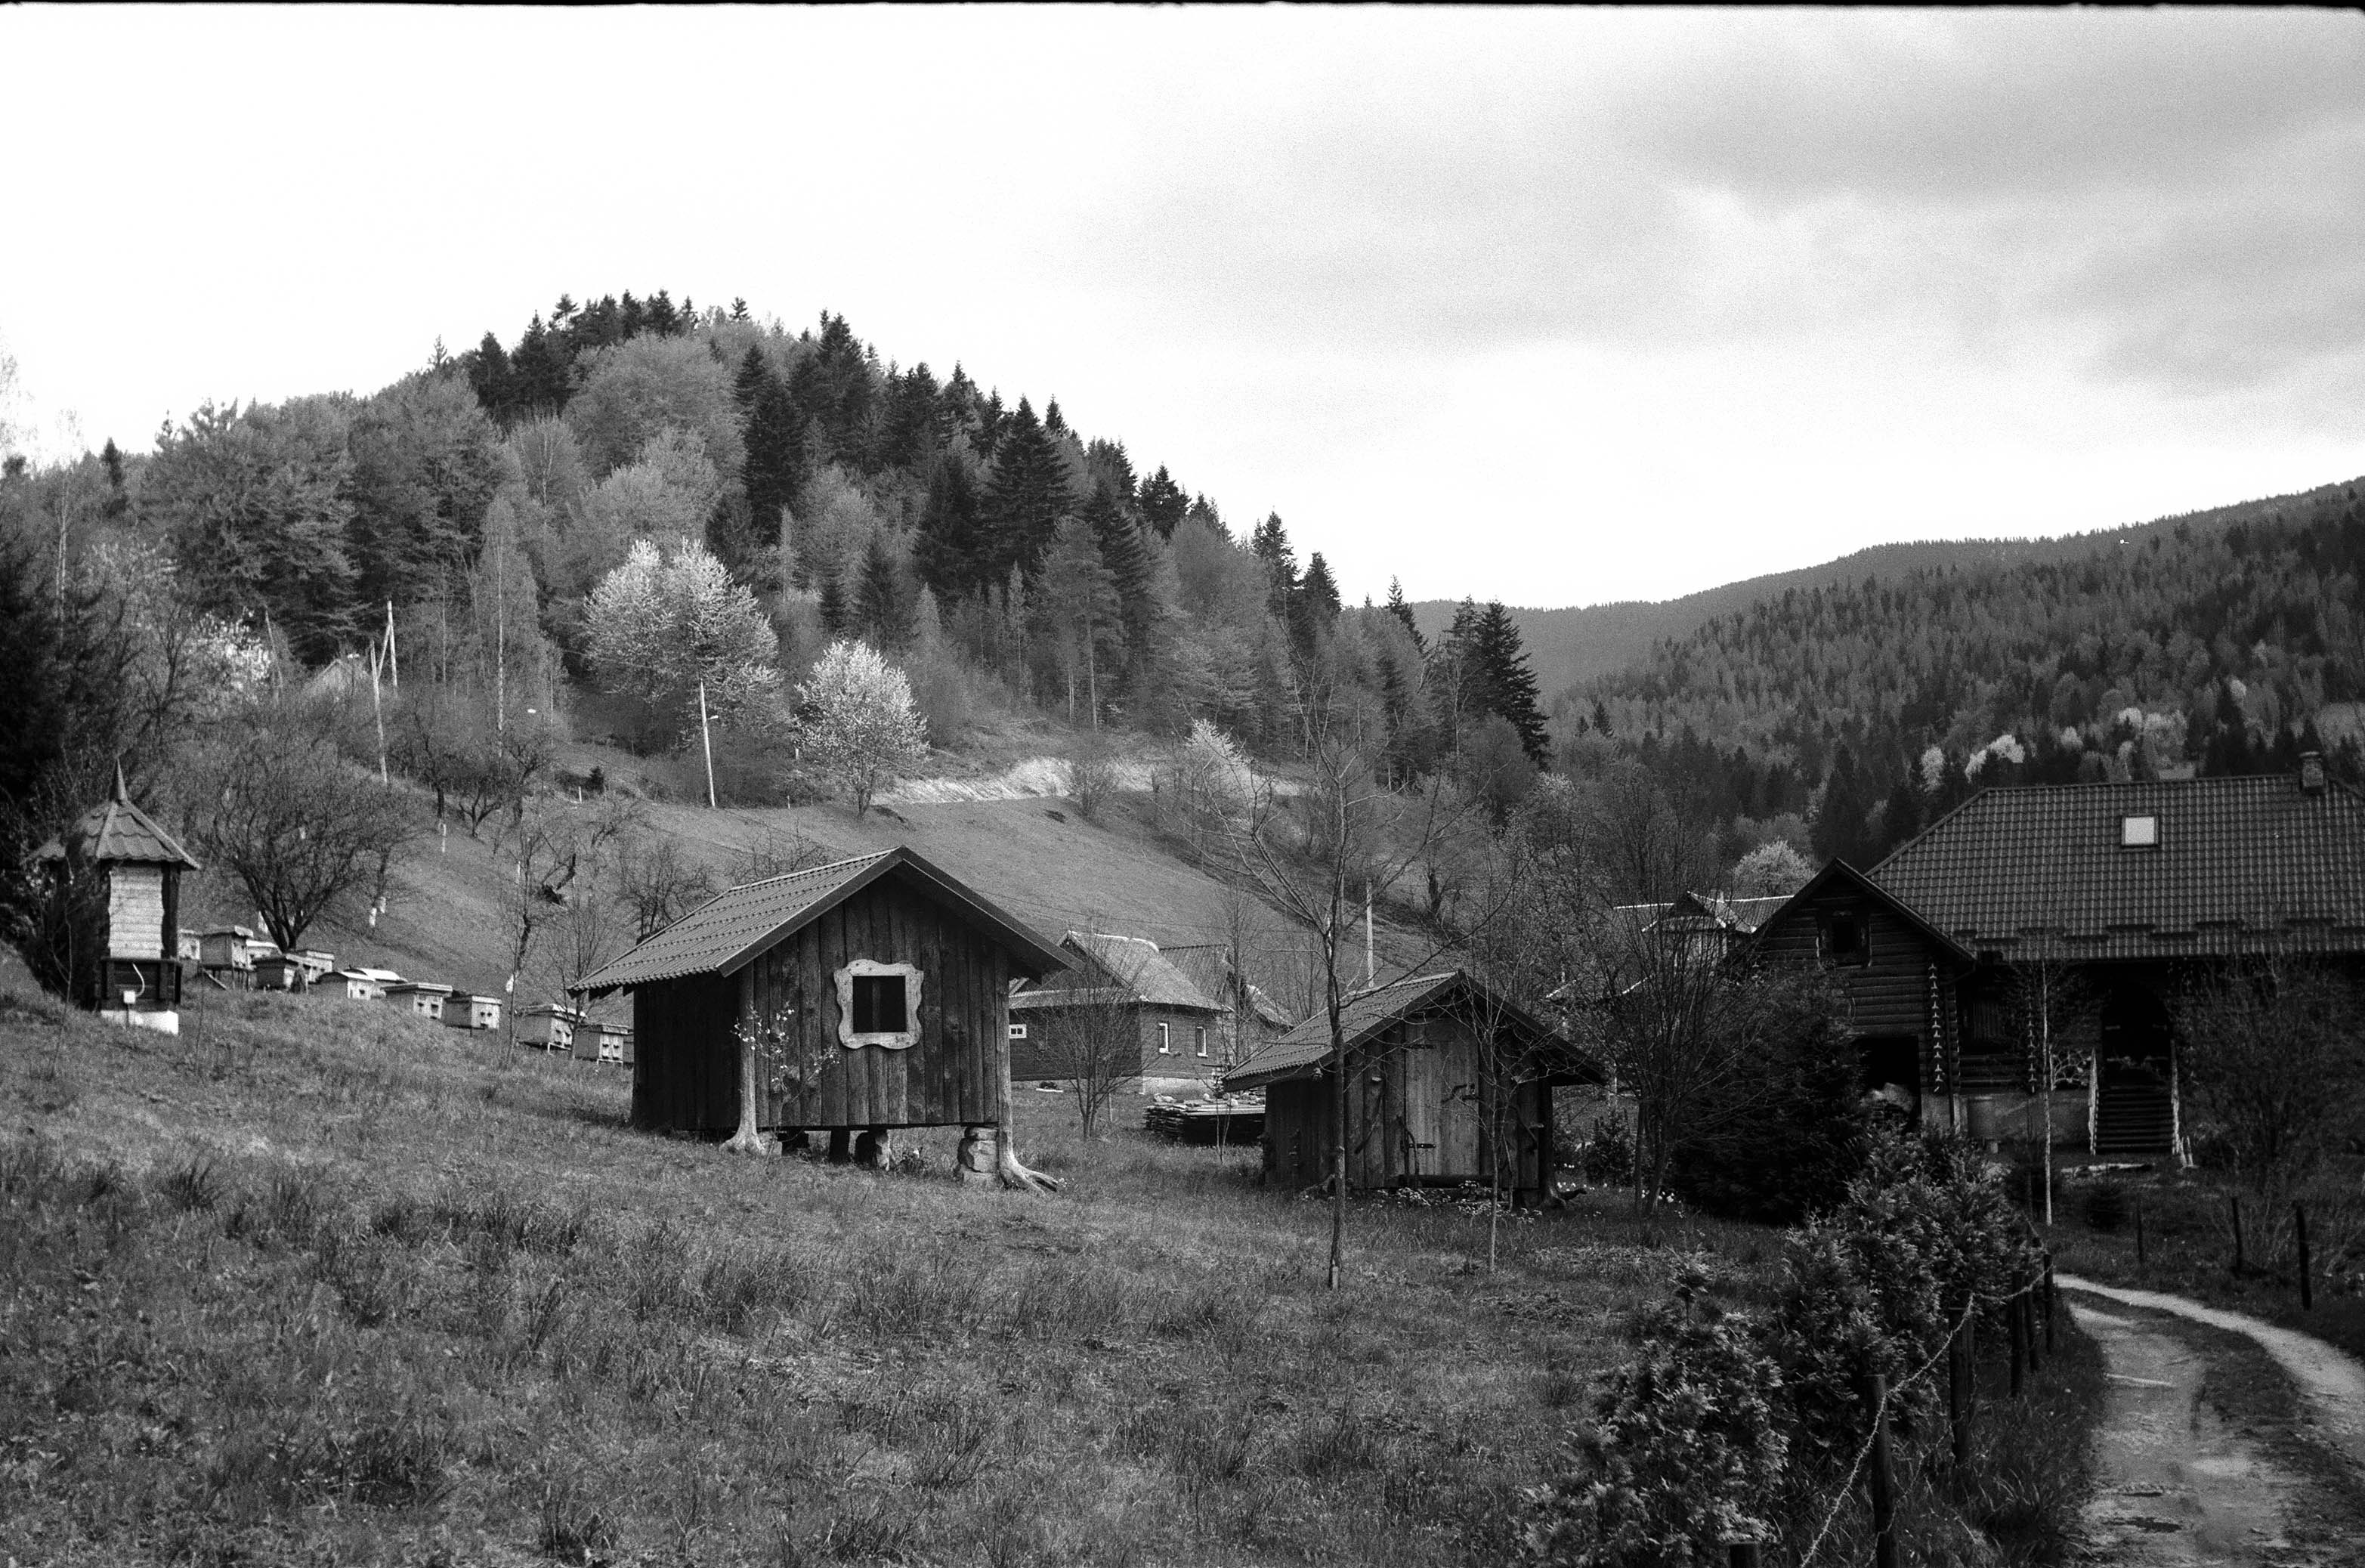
{"x":1236,"y":1119}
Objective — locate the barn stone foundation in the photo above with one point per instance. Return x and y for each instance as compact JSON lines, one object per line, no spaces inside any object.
{"x":978,"y":1147}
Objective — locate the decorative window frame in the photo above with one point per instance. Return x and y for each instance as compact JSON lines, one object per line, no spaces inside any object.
{"x":1165,"y":1038}
{"x":894,"y":1039}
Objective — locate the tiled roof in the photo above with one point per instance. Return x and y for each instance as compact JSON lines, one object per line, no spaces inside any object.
{"x":117,"y":830}
{"x":2238,"y":861}
{"x":1139,"y":972}
{"x":736,"y":926}
{"x":1297,"y":1053}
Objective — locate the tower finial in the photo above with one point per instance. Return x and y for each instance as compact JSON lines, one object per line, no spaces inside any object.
{"x":122,"y":792}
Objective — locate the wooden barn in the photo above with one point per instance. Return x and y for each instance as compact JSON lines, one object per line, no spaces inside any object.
{"x":117,"y":876}
{"x":1418,"y":1112}
{"x":851,"y":998}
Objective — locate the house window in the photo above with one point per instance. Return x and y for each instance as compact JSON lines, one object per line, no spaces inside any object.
{"x":1165,"y":1039}
{"x":1199,"y":1033}
{"x":1846,"y":940}
{"x":2139,"y":833}
{"x":878,"y":1004}
{"x":1018,"y":1031}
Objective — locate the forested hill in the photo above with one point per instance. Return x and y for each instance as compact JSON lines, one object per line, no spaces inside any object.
{"x":2225,"y":641}
{"x":1574,"y":645}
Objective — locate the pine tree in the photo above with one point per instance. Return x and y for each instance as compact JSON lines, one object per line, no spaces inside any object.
{"x":1317,"y":596}
{"x":1270,"y":544}
{"x":1028,"y":496}
{"x":774,"y":470}
{"x":832,"y":606}
{"x":1162,"y":503}
{"x":949,"y":547}
{"x":1510,"y":685}
{"x":885,"y":619}
{"x":1403,"y":611}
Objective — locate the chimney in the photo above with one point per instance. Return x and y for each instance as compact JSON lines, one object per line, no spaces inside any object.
{"x":2311,"y":772}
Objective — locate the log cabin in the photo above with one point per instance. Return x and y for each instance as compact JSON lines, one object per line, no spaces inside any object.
{"x":849,"y":999}
{"x":117,"y":876}
{"x":2043,"y":934}
{"x":1421,"y":1105}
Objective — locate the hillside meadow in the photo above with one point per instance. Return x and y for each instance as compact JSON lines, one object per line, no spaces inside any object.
{"x":316,"y":1282}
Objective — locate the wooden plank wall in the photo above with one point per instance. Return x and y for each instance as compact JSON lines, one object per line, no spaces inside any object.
{"x":1397,"y":1097}
{"x":1892,"y":994}
{"x":951,"y":1077}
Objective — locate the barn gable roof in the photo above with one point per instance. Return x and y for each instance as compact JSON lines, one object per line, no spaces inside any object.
{"x":740,"y":924}
{"x":1301,"y":1051}
{"x":1840,"y":876}
{"x":2230,"y":862}
{"x":116,"y":830}
{"x":1124,"y":971}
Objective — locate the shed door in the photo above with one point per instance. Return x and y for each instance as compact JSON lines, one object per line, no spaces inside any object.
{"x":1418,"y":1132}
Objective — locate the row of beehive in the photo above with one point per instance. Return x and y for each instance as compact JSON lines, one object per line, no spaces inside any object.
{"x":237,"y":959}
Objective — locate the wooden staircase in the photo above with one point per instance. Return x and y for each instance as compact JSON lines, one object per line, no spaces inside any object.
{"x":2134,"y":1119}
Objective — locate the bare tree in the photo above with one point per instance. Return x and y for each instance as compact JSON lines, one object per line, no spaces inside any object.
{"x":1091,"y":1033}
{"x":551,"y":848}
{"x":658,"y":885}
{"x":2052,"y":999}
{"x":2274,"y":1063}
{"x":298,"y":825}
{"x":1318,"y":854}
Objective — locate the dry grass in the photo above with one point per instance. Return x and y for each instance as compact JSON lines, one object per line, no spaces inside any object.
{"x":317,"y":1282}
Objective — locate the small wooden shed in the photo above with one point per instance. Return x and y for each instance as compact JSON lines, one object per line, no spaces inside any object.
{"x":874,"y":994}
{"x":1420,"y":1111}
{"x":120,"y":876}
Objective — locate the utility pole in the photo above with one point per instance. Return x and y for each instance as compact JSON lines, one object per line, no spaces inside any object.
{"x":1371,"y":963}
{"x":706,"y":738}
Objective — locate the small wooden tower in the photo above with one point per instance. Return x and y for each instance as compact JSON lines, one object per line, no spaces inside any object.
{"x":126,"y":964}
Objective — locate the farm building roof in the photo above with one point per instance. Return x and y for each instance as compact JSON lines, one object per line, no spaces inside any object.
{"x":1299,"y":1053}
{"x":2142,"y":870}
{"x":1120,"y":969}
{"x":116,"y":830}
{"x":1209,"y":967}
{"x":739,"y":924}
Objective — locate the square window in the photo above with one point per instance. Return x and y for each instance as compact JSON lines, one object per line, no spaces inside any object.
{"x":1165,"y":1039}
{"x":1018,"y":1031}
{"x":1846,"y":941}
{"x":1201,"y":1034}
{"x":879,"y":1005}
{"x":2139,"y":833}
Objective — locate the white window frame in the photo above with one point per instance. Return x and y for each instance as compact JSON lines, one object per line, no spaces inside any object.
{"x":1199,"y":1033}
{"x":892,"y":1039}
{"x":1165,"y":1039}
{"x":1018,"y":1031}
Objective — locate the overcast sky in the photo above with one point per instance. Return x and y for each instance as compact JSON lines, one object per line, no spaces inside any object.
{"x":1551,"y":307}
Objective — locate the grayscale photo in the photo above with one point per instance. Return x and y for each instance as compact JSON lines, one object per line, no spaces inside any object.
{"x":1182,"y":786}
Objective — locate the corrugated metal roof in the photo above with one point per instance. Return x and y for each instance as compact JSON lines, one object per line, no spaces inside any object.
{"x":2237,"y":861}
{"x":117,"y":830}
{"x":735,"y":925}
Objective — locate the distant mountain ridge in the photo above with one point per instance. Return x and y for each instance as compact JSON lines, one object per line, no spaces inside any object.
{"x":1569,"y":647}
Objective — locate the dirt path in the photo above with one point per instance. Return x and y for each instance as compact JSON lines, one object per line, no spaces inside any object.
{"x":2219,"y":1444}
{"x":2332,"y":1384}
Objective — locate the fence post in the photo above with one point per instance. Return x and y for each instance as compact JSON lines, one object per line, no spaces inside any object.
{"x":2139,"y":1236}
{"x":2035,"y":1341}
{"x":2236,"y":1200}
{"x":2306,"y":1289}
{"x":1958,"y":1392}
{"x":2051,"y":1307}
{"x":1881,"y":1484}
{"x":2017,"y":1324}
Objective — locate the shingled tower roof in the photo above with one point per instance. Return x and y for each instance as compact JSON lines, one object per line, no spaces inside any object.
{"x":120,"y":832}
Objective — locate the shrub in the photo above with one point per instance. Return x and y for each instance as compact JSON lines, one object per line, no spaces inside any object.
{"x":2106,"y":1206}
{"x":1608,"y":1158}
{"x":1784,"y":1135}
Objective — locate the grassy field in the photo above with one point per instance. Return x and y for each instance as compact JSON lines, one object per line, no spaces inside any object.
{"x":317,"y":1283}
